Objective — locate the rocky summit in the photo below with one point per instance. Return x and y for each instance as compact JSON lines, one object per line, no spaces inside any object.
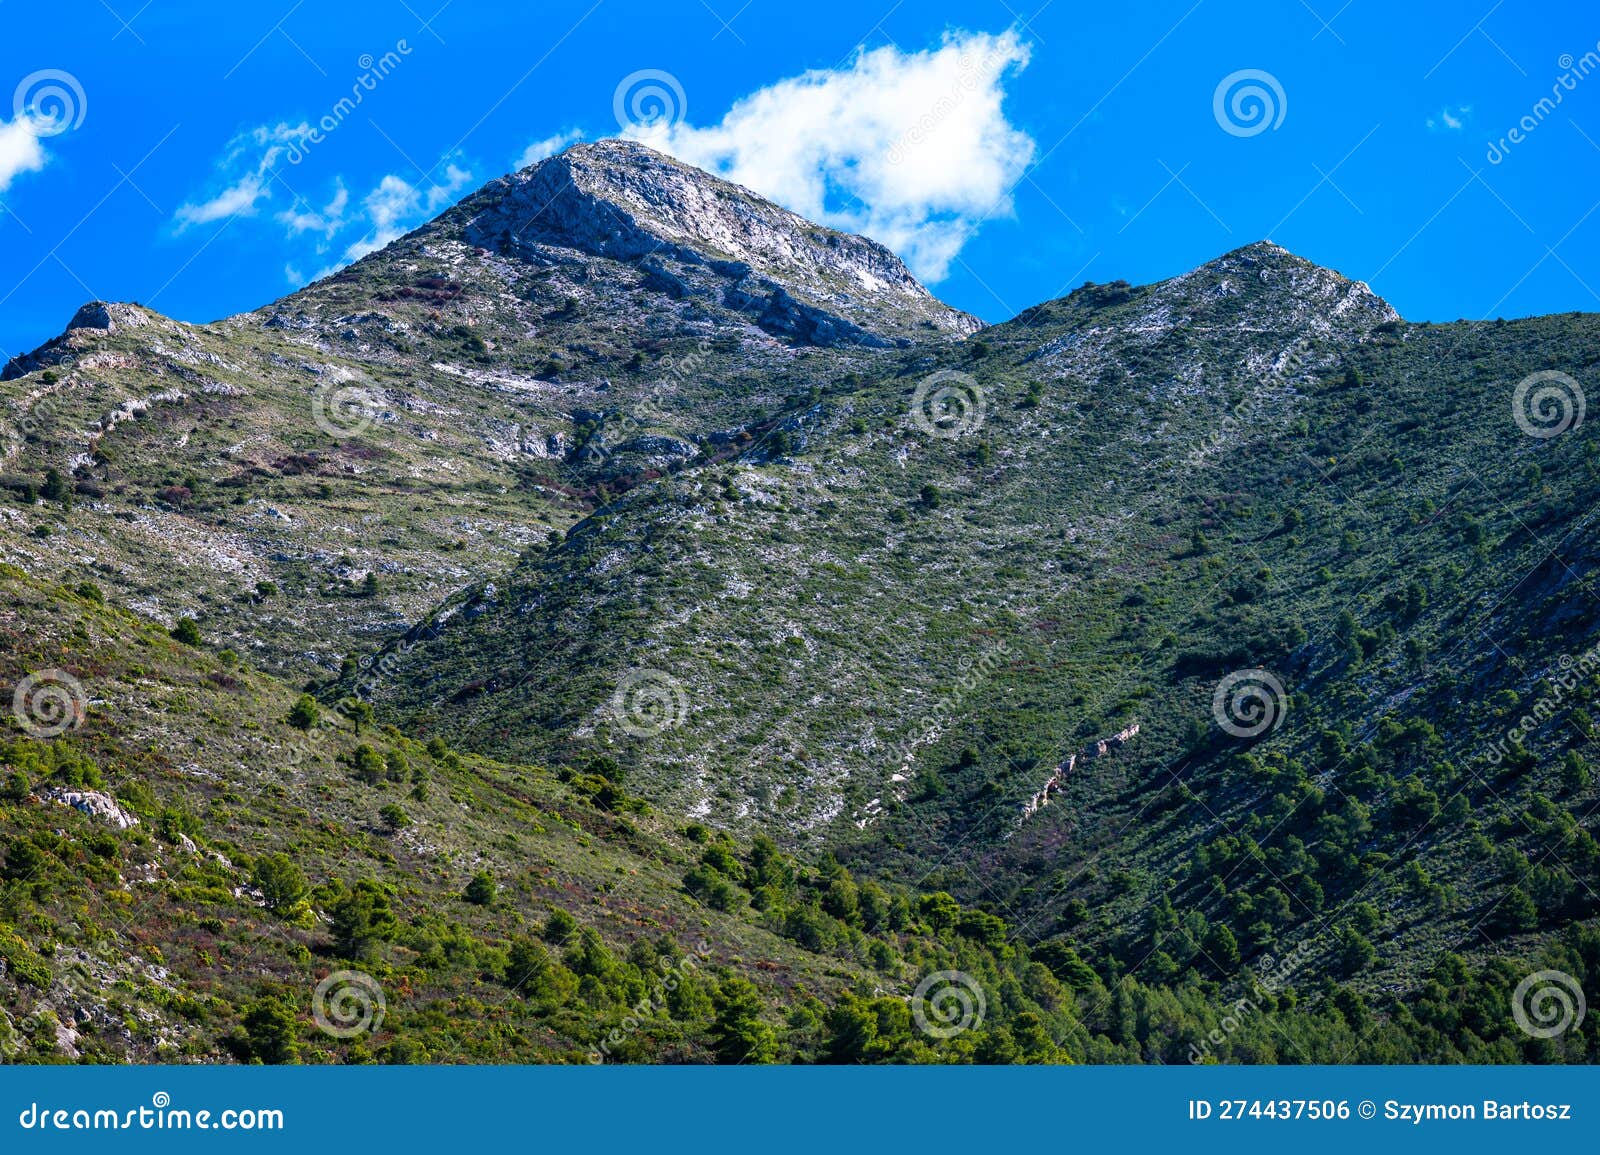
{"x":690,"y":235}
{"x":621,"y":575}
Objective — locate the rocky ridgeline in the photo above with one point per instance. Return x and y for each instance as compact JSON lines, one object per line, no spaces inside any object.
{"x":1259,"y":316}
{"x":1053,"y":784}
{"x":93,"y":318}
{"x":689,"y":234}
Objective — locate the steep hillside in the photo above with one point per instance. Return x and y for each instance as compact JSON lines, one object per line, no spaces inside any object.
{"x":184,"y":864}
{"x":194,"y":867}
{"x":887,"y":639}
{"x":1183,"y":633}
{"x":431,"y":413}
{"x":848,"y":600}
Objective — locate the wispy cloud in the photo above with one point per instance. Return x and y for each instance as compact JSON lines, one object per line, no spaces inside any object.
{"x":46,"y":103}
{"x":244,"y":175}
{"x":1450,"y":119}
{"x":326,"y":221}
{"x":245,"y":172}
{"x":396,"y":206}
{"x":911,"y":148}
{"x":549,"y":146}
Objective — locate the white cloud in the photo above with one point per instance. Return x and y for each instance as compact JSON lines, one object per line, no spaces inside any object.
{"x":549,"y":146}
{"x":246,"y":172}
{"x":20,"y":150}
{"x":328,"y":220}
{"x":248,"y":165}
{"x":396,"y":206}
{"x":1454,"y":120}
{"x":913,"y":149}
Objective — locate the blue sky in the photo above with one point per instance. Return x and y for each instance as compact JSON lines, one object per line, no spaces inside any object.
{"x":159,"y":151}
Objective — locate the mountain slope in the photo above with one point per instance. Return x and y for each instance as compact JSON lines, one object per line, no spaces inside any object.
{"x":853,"y":618}
{"x":885,"y":642}
{"x":188,"y":875}
{"x":1178,"y":630}
{"x":435,"y":410}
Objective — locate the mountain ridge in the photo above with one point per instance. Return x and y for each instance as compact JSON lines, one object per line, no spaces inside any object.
{"x":786,"y":560}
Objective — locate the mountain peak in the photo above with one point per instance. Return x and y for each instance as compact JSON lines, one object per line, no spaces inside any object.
{"x":1280,"y":272}
{"x":92,"y":320}
{"x":698,"y":233}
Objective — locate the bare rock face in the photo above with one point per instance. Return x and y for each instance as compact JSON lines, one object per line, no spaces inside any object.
{"x":94,"y":315}
{"x":689,"y":233}
{"x":90,"y":321}
{"x":94,"y":804}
